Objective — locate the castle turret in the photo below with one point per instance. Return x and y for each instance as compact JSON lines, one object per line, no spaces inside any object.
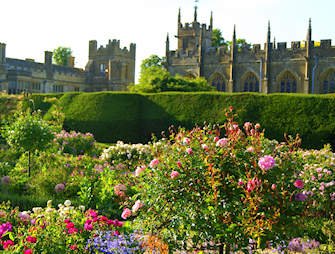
{"x":2,"y":53}
{"x":211,"y":22}
{"x":268,"y":48}
{"x":179,"y":19}
{"x":232,"y":62}
{"x":195,"y":14}
{"x":92,"y":49}
{"x":308,"y":57}
{"x":167,"y":48}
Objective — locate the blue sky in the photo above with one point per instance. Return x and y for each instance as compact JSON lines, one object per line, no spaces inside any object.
{"x":31,"y":27}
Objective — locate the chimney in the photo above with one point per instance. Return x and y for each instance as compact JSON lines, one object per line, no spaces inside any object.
{"x":2,"y":53}
{"x":70,"y":61}
{"x":48,"y":58}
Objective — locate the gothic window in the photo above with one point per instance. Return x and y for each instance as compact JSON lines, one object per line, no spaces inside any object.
{"x":251,"y":83}
{"x":288,"y":83}
{"x":219,"y":83}
{"x":329,"y":83}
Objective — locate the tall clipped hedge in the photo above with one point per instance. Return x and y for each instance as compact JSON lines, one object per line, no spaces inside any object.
{"x":131,"y":117}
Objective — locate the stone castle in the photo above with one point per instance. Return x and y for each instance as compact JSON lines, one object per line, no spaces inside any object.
{"x":305,"y":67}
{"x":109,"y":68}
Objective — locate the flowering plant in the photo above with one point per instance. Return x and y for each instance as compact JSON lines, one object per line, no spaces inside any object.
{"x":75,"y":143}
{"x":63,"y":230}
{"x":221,"y":185}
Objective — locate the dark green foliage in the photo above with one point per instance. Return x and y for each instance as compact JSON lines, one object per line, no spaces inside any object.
{"x":217,"y":39}
{"x":133,"y":117}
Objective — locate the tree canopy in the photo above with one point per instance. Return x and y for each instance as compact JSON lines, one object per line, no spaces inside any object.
{"x":155,"y":78}
{"x":61,"y":55}
{"x":217,"y":39}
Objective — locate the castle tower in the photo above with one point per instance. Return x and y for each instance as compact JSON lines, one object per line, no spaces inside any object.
{"x":309,"y":45}
{"x":232,"y":62}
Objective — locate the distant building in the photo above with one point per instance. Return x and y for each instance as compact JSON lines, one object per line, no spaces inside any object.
{"x":109,"y":68}
{"x":307,"y":67}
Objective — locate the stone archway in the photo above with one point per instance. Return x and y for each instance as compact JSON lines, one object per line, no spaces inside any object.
{"x":327,"y":81}
{"x":287,"y":82}
{"x":250,"y":82}
{"x":218,"y":81}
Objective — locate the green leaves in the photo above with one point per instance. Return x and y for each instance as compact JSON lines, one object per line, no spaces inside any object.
{"x":61,"y":55}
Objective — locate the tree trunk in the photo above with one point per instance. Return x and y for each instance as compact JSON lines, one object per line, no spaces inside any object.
{"x":29,"y":162}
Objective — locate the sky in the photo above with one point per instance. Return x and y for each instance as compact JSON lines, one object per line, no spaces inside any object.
{"x":31,"y":27}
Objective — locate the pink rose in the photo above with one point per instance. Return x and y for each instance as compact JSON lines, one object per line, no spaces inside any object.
{"x":273,"y":187}
{"x":126,"y":213}
{"x":28,"y":251}
{"x":138,"y":204}
{"x":154,"y":163}
{"x":222,"y":142}
{"x":205,"y":147}
{"x":31,"y":239}
{"x":139,"y":170}
{"x":250,"y":149}
{"x":174,"y":174}
{"x":189,"y":150}
{"x":216,"y":139}
{"x":267,"y":162}
{"x":299,"y":184}
{"x":247,"y":125}
{"x":253,"y":184}
{"x":186,"y":141}
{"x":240,"y":182}
{"x":7,"y":244}
{"x":119,"y":190}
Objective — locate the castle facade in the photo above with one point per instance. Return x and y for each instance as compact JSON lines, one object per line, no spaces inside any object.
{"x":305,"y":67}
{"x":109,"y":68}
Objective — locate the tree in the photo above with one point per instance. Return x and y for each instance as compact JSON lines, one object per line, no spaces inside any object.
{"x":61,"y":55}
{"x":240,"y":44}
{"x":217,"y":39}
{"x":28,"y":133}
{"x":155,"y":78}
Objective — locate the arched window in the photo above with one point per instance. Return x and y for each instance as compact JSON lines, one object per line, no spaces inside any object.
{"x":251,"y":83}
{"x":329,"y":83}
{"x":288,"y":83}
{"x":219,"y":83}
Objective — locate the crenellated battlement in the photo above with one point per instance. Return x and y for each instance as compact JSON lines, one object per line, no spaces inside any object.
{"x":111,"y":49}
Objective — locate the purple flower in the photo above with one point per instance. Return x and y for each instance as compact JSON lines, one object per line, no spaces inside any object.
{"x":59,"y":187}
{"x":5,"y":180}
{"x":300,"y":197}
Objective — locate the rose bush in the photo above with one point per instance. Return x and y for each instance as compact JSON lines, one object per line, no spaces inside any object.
{"x":221,"y":185}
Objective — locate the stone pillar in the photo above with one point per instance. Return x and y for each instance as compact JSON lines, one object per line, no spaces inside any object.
{"x":306,"y":86}
{"x":109,"y":70}
{"x":265,"y":86}
{"x":230,"y":87}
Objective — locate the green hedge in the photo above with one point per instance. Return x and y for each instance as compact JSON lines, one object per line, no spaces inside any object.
{"x":131,"y":117}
